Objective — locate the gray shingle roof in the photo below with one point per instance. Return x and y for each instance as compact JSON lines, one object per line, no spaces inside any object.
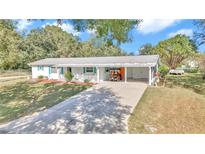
{"x":142,"y":60}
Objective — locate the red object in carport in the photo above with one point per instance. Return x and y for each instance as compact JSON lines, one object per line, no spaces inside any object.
{"x":122,"y":72}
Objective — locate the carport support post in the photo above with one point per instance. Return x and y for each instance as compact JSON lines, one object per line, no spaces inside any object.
{"x":150,"y":76}
{"x":125,"y":74}
{"x":98,"y":74}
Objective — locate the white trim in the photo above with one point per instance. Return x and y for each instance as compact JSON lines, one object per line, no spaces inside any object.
{"x":98,"y":74}
{"x":125,"y":74}
{"x":109,"y":65}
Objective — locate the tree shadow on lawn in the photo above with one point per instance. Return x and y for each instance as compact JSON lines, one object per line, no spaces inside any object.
{"x":92,"y":111}
{"x":25,"y":98}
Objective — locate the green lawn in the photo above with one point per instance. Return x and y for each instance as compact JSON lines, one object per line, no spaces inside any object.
{"x":21,"y":97}
{"x":191,"y":81}
{"x":9,"y":73}
{"x":177,"y":109}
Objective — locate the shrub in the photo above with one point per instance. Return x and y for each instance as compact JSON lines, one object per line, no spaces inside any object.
{"x":163,"y":69}
{"x":86,"y":80}
{"x":203,"y":77}
{"x":40,"y":77}
{"x":68,"y":76}
{"x":191,"y":70}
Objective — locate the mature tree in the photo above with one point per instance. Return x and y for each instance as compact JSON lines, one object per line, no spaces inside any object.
{"x":110,"y":30}
{"x":50,"y":41}
{"x":17,"y":51}
{"x":146,"y":49}
{"x":174,"y":50}
{"x":10,"y":56}
{"x":199,"y":34}
{"x":87,"y":49}
{"x":111,"y":51}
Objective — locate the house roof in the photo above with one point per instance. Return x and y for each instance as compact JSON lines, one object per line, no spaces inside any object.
{"x":129,"y":61}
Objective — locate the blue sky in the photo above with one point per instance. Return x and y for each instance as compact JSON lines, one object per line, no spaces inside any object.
{"x":149,"y":31}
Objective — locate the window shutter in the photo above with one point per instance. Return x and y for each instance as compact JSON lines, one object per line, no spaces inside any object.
{"x":62,"y":70}
{"x":83,"y":69}
{"x":49,"y":70}
{"x":94,"y":69}
{"x":38,"y":68}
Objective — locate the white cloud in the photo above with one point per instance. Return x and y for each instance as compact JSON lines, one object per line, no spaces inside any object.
{"x":91,"y":31}
{"x":23,"y":24}
{"x":187,"y":32}
{"x":66,"y":27}
{"x":155,"y":25}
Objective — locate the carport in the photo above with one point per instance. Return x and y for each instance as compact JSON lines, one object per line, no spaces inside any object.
{"x":140,"y":74}
{"x":130,"y":74}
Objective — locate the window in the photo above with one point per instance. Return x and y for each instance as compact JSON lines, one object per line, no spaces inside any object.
{"x":89,"y":70}
{"x":40,"y":68}
{"x":53,"y":70}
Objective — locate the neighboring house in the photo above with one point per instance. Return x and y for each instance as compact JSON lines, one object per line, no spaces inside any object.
{"x":97,"y":69}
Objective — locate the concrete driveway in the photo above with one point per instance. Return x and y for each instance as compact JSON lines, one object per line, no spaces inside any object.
{"x":103,"y":108}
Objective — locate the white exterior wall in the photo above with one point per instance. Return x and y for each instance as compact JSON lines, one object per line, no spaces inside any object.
{"x":80,"y":76}
{"x":132,"y":72}
{"x":103,"y":74}
{"x":36,"y":72}
{"x":77,"y":72}
{"x":55,"y":76}
{"x":138,"y":72}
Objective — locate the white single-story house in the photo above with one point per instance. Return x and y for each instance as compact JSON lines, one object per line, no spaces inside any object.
{"x":97,"y":69}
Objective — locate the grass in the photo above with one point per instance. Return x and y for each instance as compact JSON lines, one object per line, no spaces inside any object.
{"x":168,"y":110}
{"x":21,"y":97}
{"x":8,"y":73}
{"x":179,"y":107}
{"x":191,"y":81}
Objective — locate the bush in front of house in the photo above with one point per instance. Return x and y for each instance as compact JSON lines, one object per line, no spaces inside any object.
{"x":40,"y":77}
{"x":203,"y":76}
{"x":86,"y":81}
{"x":163,"y":69}
{"x":68,"y":76}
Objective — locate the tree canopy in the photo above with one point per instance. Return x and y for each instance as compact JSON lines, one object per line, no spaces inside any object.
{"x":16,"y":51}
{"x":10,"y":56}
{"x":174,"y":50}
{"x":109,"y":29}
{"x":146,"y":49}
{"x":199,"y":34}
